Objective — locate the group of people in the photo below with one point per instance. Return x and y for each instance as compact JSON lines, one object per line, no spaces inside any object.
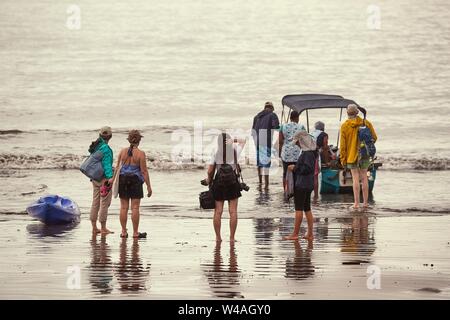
{"x":130,"y":174}
{"x":302,"y":153}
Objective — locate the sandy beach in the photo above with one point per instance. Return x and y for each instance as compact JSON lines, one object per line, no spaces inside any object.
{"x":180,"y":260}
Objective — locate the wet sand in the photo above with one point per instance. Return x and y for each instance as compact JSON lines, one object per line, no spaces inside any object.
{"x":180,"y":260}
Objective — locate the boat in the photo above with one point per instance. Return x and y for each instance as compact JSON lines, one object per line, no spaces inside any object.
{"x":334,"y":179}
{"x":54,"y":209}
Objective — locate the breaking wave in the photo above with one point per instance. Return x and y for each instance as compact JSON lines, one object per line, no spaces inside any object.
{"x":161,"y":161}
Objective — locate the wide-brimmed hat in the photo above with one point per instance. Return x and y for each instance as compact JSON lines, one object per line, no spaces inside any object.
{"x":134,"y":136}
{"x":305,"y":140}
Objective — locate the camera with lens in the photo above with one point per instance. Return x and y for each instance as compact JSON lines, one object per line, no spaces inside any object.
{"x":244,"y":186}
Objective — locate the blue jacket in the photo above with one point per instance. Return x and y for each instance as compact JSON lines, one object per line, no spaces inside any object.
{"x":107,"y":160}
{"x":304,"y":170}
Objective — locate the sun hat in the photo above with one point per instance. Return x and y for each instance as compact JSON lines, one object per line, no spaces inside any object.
{"x":305,"y":140}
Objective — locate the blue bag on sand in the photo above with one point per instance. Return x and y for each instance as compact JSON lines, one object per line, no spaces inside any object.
{"x":366,"y":143}
{"x":92,"y":166}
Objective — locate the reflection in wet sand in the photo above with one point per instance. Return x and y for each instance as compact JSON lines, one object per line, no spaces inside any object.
{"x":130,"y":271}
{"x":101,"y":269}
{"x":43,"y":230}
{"x":264,"y":234}
{"x":357,"y":240}
{"x":300,"y":266}
{"x":224,"y":280}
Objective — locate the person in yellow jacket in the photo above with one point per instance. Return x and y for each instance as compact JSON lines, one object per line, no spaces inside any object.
{"x":349,"y":154}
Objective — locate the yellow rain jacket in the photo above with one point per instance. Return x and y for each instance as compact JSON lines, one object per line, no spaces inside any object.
{"x":348,"y":147}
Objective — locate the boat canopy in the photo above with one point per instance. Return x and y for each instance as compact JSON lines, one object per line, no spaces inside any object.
{"x":302,"y":102}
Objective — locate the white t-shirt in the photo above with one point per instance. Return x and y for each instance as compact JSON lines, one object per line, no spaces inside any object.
{"x":218,"y":158}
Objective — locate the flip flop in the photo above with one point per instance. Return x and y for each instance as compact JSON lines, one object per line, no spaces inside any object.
{"x":141,"y":235}
{"x":124,"y":236}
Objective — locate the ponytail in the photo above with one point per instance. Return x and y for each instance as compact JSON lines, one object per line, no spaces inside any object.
{"x":94,"y":145}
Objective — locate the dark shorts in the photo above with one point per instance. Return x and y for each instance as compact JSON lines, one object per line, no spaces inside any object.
{"x":228,"y":193}
{"x":130,"y":187}
{"x":302,"y":199}
{"x":285,"y":166}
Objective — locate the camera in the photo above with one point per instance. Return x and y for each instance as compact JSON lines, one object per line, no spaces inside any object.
{"x":244,"y":186}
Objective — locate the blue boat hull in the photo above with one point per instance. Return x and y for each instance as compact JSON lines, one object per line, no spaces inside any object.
{"x":332,"y":183}
{"x":54,"y":210}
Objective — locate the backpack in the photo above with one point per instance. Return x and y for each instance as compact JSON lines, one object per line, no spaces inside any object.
{"x":226,"y":176}
{"x":367,"y":147}
{"x":92,"y":166}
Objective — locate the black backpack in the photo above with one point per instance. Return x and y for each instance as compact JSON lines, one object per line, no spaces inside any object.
{"x":226,"y":176}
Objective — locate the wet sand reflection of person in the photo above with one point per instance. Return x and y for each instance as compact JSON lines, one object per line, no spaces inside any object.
{"x":264,"y":235}
{"x":300,"y":266}
{"x":130,"y":271}
{"x":101,"y":267}
{"x":357,"y":240}
{"x":224,"y":280}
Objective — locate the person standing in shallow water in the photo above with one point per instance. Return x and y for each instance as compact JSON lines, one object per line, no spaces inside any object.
{"x":132,"y":170}
{"x":264,"y":123}
{"x":304,"y":183}
{"x":227,"y":154}
{"x":100,"y":204}
{"x":349,"y":154}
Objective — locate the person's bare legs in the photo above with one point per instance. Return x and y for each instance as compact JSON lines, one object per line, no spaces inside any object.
{"x":135,"y":204}
{"x":316,"y":187}
{"x":365,"y":187}
{"x":259,"y":175}
{"x":266,"y":181}
{"x":297,"y":224}
{"x":124,"y":205}
{"x":95,"y":230}
{"x":218,"y":219}
{"x":356,"y":189}
{"x":309,"y":218}
{"x":232,"y":208}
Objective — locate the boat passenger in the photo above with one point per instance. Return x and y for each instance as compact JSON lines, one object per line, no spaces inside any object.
{"x":324,"y":153}
{"x":289,"y":151}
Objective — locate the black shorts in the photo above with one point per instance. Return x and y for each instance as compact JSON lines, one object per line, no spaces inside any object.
{"x":130,"y":187}
{"x":302,"y":199}
{"x":285,"y":166}
{"x":226,"y":193}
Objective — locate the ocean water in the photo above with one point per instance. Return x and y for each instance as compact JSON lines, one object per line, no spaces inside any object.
{"x":186,"y":68}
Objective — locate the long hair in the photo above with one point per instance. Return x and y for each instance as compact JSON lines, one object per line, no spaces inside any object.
{"x":224,"y":149}
{"x":94,"y":144}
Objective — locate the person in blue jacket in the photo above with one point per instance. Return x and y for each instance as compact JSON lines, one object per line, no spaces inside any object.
{"x":304,"y":183}
{"x":102,"y":200}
